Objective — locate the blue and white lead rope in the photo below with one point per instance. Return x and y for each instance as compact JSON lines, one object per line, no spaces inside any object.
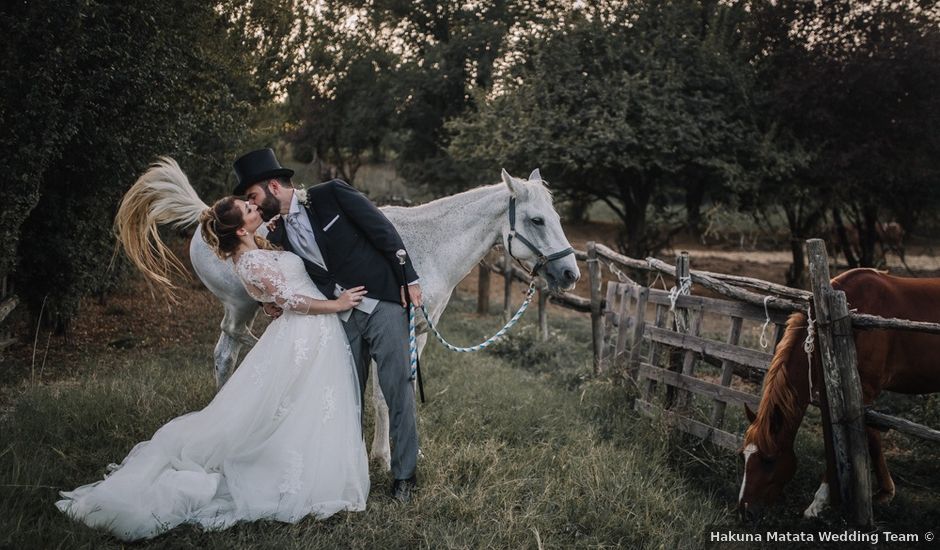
{"x":413,"y":343}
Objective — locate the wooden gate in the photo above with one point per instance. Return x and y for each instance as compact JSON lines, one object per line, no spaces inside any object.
{"x":673,"y":359}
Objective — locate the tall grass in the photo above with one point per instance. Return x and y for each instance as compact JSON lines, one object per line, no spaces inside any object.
{"x":522,"y":449}
{"x":512,"y":458}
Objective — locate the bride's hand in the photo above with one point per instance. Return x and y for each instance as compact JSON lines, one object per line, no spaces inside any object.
{"x":350,"y":298}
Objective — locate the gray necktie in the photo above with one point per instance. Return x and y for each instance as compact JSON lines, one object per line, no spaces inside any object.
{"x":303,"y":240}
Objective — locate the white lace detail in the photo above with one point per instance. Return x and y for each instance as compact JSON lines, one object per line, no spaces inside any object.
{"x":282,"y":409}
{"x":281,"y":332}
{"x":295,"y":468}
{"x":264,"y":274}
{"x":326,"y":335}
{"x":329,"y":404}
{"x":301,"y":351}
{"x":257,"y":373}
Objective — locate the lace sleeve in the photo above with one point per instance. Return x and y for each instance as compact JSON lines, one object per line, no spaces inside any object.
{"x":264,"y":280}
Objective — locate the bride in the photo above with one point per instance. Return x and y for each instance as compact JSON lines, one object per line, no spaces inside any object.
{"x":282,"y":438}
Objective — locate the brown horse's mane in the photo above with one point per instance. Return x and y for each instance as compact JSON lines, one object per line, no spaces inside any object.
{"x":779,"y":393}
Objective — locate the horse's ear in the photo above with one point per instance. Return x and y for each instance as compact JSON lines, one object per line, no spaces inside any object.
{"x":507,"y":179}
{"x":535,"y":175}
{"x":751,"y":415}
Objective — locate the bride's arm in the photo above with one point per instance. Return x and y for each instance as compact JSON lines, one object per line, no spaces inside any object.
{"x":265,"y":282}
{"x":306,"y":305}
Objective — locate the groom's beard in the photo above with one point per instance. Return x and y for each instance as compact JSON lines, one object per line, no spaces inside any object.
{"x":270,"y":206}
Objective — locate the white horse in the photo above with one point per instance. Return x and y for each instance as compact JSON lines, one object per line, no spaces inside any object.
{"x":446,"y":238}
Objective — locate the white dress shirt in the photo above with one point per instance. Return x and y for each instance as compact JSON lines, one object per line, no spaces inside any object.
{"x":301,"y":237}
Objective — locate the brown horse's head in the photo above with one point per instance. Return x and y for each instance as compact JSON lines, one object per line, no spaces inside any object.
{"x":769,"y":464}
{"x":769,"y":459}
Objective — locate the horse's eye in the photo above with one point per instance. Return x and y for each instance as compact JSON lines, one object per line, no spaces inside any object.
{"x":538,"y":221}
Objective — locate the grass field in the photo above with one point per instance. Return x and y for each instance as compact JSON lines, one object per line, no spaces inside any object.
{"x":522,"y":449}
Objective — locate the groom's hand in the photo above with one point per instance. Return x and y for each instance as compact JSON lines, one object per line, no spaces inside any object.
{"x":415,"y":292}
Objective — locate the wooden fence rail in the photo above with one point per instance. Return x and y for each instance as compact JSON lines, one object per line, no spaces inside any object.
{"x":663,"y":353}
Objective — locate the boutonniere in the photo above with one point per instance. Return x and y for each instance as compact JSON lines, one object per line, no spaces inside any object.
{"x":302,"y":197}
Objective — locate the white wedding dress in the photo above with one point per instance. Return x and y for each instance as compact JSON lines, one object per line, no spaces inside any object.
{"x":281,"y":440}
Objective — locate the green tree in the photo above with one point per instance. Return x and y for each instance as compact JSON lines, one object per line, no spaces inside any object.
{"x":341,"y":105}
{"x":96,"y":90}
{"x":387,"y":74}
{"x":848,"y":101}
{"x":625,"y":104}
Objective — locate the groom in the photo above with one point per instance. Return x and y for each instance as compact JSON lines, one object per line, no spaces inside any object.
{"x":345,"y":241}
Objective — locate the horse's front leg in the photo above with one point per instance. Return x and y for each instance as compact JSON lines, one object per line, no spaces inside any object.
{"x":235,"y":334}
{"x":225,"y":354}
{"x":886,"y":488}
{"x":824,"y":496}
{"x":381,"y":451}
{"x":820,"y":500}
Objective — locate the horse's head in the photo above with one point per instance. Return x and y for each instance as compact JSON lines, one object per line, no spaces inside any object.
{"x":769,"y":464}
{"x":538,"y":239}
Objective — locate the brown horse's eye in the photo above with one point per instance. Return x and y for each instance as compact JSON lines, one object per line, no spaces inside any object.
{"x":767,"y":462}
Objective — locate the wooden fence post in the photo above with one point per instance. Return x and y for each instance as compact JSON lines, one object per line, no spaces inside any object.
{"x":683,"y":267}
{"x":680,"y":317}
{"x":507,"y":287}
{"x":483,"y":289}
{"x":639,"y":327}
{"x":727,"y":373}
{"x":626,"y":294}
{"x":842,"y":387}
{"x":597,"y":321}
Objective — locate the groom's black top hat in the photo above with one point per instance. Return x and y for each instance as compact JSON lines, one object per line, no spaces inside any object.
{"x":256,"y":166}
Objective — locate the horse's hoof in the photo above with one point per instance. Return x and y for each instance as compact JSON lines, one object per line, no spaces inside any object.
{"x":813,"y":511}
{"x":820,"y":502}
{"x":384,"y":461}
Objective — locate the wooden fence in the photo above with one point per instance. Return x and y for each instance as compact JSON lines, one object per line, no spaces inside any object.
{"x":676,"y":364}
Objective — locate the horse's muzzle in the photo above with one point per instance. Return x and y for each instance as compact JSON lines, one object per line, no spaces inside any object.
{"x":560,"y":278}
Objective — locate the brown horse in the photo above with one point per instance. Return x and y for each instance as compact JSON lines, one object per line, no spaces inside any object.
{"x":898,"y":361}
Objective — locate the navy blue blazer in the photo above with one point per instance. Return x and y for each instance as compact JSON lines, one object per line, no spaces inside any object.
{"x":357,"y":241}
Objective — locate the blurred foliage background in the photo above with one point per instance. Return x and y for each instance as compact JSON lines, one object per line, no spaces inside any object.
{"x":811,"y":112}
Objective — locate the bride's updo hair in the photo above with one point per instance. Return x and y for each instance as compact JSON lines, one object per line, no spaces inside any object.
{"x":220,"y":222}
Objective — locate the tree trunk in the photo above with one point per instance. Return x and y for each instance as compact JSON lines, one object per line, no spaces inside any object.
{"x":867,"y":236}
{"x":844,"y":243}
{"x":577,"y":209}
{"x":800,"y":225}
{"x":694,"y":196}
{"x":796,"y":276}
{"x":635,"y":199}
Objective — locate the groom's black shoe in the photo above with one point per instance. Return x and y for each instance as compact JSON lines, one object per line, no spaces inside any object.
{"x":403,"y":489}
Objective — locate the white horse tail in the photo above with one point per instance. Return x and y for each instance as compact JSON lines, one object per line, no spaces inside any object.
{"x":161,"y":196}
